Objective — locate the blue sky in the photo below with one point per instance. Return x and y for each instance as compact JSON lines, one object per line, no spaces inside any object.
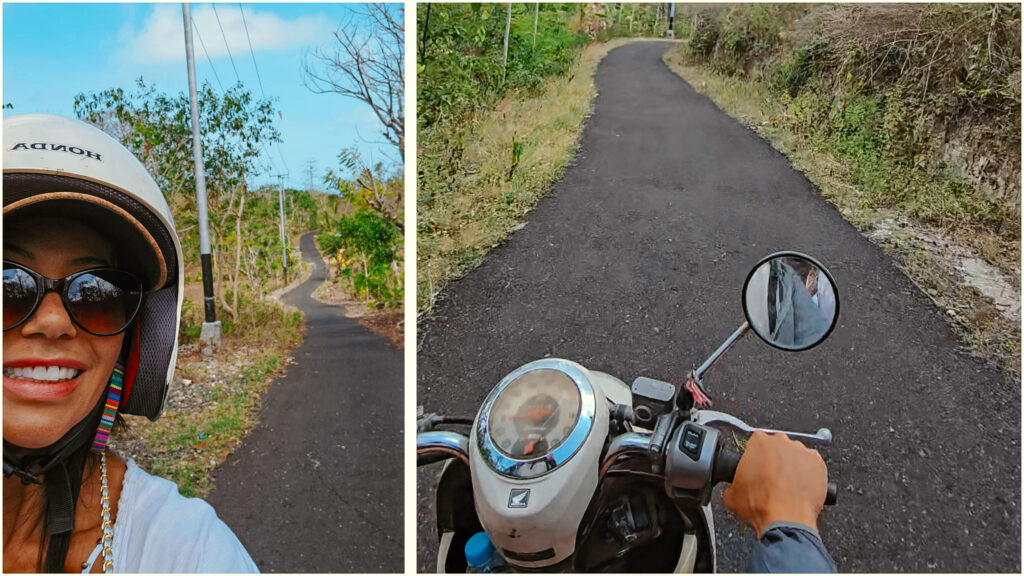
{"x":51,"y":52}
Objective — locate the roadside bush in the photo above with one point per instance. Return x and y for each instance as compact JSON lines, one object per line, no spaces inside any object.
{"x":802,"y":65}
{"x":704,"y":31}
{"x":366,"y":246}
{"x":920,"y":99}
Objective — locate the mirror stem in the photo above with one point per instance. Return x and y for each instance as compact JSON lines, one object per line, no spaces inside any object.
{"x":698,"y":373}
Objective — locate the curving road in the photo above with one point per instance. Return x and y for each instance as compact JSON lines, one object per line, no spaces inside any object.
{"x":317,"y":486}
{"x":633,"y":265}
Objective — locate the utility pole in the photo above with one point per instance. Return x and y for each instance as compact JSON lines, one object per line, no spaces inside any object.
{"x":671,"y":19}
{"x":536,"y":17}
{"x":508,"y":28}
{"x":284,"y":240}
{"x":309,"y":165}
{"x":211,"y":326}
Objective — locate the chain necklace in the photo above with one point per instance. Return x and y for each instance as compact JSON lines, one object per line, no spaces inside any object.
{"x":108,"y":526}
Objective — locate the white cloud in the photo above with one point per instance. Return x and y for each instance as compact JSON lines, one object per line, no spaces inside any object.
{"x":161,"y":38}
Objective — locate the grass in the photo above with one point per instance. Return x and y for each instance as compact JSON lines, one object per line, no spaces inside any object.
{"x":184,"y":447}
{"x":478,"y":181}
{"x":935,"y":204}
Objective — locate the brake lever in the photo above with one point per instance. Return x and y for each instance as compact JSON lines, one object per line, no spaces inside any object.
{"x":822,"y":437}
{"x":426,"y":423}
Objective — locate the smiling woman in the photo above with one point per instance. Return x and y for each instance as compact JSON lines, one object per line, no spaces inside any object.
{"x":92,"y":303}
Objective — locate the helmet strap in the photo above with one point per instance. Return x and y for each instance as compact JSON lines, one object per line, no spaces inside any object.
{"x":31,"y":465}
{"x":99,"y":444}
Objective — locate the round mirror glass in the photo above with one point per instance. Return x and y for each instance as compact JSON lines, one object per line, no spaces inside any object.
{"x":791,"y":301}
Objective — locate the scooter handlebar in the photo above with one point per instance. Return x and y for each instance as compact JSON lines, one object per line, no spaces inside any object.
{"x":724,"y":470}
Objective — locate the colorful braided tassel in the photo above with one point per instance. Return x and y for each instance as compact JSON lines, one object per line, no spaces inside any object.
{"x":109,"y":409}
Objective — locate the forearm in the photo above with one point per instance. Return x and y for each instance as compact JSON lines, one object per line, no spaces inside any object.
{"x":786,"y":547}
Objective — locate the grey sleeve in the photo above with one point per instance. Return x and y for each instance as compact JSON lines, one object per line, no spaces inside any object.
{"x":786,"y":547}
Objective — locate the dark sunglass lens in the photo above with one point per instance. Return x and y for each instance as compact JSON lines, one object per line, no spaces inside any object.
{"x":103,"y":302}
{"x":20,"y":292}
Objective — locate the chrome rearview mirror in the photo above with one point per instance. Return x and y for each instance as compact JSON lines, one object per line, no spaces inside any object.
{"x":791,"y":301}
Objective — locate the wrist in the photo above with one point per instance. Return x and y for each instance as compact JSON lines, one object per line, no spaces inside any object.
{"x":786,"y":513}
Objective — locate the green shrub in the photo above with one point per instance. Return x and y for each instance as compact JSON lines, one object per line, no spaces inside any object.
{"x":704,"y":34}
{"x":370,"y":246}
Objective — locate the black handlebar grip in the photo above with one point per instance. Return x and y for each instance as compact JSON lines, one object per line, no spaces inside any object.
{"x":726,"y":463}
{"x":830,"y":494}
{"x":725,"y":466}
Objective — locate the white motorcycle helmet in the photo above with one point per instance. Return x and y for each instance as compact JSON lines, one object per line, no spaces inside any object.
{"x":55,"y":165}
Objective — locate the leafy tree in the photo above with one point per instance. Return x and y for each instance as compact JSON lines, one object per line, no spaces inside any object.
{"x":372,"y":187}
{"x":367,"y":247}
{"x":156,"y":127}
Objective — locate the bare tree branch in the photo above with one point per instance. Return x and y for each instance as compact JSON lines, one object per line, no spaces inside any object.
{"x":366,"y":62}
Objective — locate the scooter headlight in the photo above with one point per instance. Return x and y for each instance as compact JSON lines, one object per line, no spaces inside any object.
{"x":536,"y":418}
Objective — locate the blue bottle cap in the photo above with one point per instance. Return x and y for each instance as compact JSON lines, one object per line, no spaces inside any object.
{"x":479,"y":549}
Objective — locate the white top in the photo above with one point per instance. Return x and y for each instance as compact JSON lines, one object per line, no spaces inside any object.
{"x":159,"y":530}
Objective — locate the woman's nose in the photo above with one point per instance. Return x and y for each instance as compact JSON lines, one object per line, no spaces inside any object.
{"x":50,"y":319}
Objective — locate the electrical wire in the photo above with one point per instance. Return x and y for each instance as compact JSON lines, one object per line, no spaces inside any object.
{"x":224,"y":36}
{"x":251,"y":53}
{"x":208,"y":61}
{"x":259,"y":79}
{"x":269,"y":158}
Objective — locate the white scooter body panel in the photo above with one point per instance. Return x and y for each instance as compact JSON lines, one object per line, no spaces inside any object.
{"x":615,"y":390}
{"x":556,"y":502}
{"x":542,"y":523}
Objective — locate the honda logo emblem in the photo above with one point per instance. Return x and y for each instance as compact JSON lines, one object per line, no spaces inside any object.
{"x":519,"y":498}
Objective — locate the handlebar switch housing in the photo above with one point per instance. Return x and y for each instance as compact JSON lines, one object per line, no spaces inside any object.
{"x":689,"y":458}
{"x":651,"y":399}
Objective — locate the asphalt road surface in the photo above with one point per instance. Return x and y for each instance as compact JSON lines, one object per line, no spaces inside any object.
{"x":633,"y":264}
{"x":317,"y":486}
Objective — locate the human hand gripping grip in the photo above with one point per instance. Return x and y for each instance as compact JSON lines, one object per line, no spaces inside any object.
{"x":780,"y":480}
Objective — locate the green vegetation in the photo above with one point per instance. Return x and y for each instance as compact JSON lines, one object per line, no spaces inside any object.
{"x":248,"y":257}
{"x":244,"y":229}
{"x":212,"y":407}
{"x":907,"y":117}
{"x":494,"y":131}
{"x":365,"y":243}
{"x":886,"y":89}
{"x":185,"y":446}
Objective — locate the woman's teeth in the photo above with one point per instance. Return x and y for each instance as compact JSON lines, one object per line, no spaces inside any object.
{"x":42,"y":373}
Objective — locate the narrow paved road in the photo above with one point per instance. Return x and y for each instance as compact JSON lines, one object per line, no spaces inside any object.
{"x":633,"y":265}
{"x":317,"y":486}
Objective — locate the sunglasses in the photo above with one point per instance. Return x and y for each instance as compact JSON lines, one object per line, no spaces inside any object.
{"x":101,"y":301}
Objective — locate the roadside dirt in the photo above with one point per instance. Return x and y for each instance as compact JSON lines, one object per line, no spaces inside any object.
{"x":973,"y":278}
{"x":387,"y":323}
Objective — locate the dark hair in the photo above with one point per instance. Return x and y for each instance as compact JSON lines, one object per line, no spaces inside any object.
{"x":55,"y":548}
{"x":800,"y":266}
{"x":80,"y":464}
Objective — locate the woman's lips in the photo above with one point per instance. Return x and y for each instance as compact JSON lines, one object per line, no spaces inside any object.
{"x":39,"y":391}
{"x":30,"y":362}
{"x":41,"y":380}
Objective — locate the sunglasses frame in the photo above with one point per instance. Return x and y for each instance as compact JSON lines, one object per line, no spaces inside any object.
{"x":45,"y":285}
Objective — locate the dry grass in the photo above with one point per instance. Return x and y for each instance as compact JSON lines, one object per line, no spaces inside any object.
{"x":511,"y":156}
{"x":981,"y":328}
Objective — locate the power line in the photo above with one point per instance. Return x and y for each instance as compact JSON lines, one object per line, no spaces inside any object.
{"x":282,"y":157}
{"x":259,"y":79}
{"x":208,"y":61}
{"x":253,"y":54}
{"x":224,"y":36}
{"x":270,"y":161}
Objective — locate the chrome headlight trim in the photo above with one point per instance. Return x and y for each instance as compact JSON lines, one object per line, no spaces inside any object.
{"x":536,"y":467}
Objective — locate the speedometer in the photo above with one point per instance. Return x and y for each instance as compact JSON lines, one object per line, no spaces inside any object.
{"x":535,"y":414}
{"x":536,"y":418}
